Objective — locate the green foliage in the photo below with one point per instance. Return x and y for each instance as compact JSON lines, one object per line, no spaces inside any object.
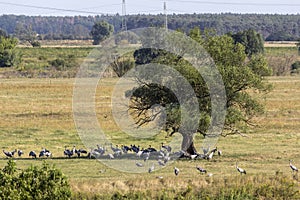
{"x":79,"y":27}
{"x":295,"y":67}
{"x":8,"y":54}
{"x":100,"y":31}
{"x":239,"y":73}
{"x":251,"y":40}
{"x":122,"y":65}
{"x":196,"y":34}
{"x":63,"y":63}
{"x":25,"y":33}
{"x":45,"y":182}
{"x":35,"y":43}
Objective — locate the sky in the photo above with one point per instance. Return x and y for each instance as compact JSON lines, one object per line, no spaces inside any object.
{"x":95,"y":7}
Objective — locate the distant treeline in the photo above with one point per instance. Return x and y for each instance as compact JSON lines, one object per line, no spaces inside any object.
{"x":272,"y":26}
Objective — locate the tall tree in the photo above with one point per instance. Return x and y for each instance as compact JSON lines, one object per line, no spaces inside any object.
{"x":100,"y":31}
{"x":240,"y":75}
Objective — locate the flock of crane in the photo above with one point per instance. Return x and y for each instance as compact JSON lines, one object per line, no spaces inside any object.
{"x":162,"y":156}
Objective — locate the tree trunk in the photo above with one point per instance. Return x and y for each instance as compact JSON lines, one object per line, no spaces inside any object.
{"x":188,"y":145}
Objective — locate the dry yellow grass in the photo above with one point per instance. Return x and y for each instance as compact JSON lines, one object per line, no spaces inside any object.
{"x":280,"y":44}
{"x":37,"y":113}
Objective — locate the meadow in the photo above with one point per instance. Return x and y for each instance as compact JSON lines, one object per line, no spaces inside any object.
{"x":37,"y":112}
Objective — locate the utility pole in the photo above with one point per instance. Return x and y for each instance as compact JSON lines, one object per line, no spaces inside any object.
{"x":124,"y":23}
{"x":166,"y":16}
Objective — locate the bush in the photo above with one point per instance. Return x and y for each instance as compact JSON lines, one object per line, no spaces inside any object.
{"x":8,"y":54}
{"x":295,"y":67}
{"x":35,"y":44}
{"x":45,"y":182}
{"x":63,"y":63}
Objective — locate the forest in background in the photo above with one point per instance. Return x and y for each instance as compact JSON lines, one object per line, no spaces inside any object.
{"x":273,"y":27}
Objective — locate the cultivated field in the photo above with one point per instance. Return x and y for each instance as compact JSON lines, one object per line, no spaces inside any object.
{"x":37,"y":113}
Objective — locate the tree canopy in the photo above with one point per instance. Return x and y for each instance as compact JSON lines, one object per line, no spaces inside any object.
{"x":251,"y":40}
{"x":79,"y":27}
{"x":239,"y":73}
{"x":8,"y":54}
{"x":100,"y":31}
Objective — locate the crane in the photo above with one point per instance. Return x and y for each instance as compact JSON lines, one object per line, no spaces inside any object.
{"x":45,"y":152}
{"x":242,"y":171}
{"x":68,"y":152}
{"x":9,"y":153}
{"x":176,"y":171}
{"x":293,"y":167}
{"x":80,"y":151}
{"x":201,"y":170}
{"x":151,"y":169}
{"x":151,"y":149}
{"x":32,"y":154}
{"x":138,"y":164}
{"x":168,"y":148}
{"x":20,"y":152}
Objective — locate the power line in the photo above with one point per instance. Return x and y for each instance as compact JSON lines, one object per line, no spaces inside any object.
{"x":56,"y":9}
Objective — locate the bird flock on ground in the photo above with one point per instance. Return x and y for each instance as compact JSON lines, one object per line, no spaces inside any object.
{"x":141,"y":155}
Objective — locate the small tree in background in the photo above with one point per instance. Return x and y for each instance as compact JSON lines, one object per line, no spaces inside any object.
{"x":8,"y":54}
{"x":295,"y":67}
{"x":251,"y":40}
{"x":100,"y":31}
{"x":25,"y":33}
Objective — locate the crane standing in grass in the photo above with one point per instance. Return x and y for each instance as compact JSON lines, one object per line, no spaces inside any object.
{"x":242,"y":171}
{"x":176,"y":171}
{"x":9,"y":153}
{"x":293,"y":167}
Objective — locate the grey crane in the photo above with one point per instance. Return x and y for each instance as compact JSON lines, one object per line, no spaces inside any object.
{"x":167,"y":147}
{"x":80,"y":151}
{"x":151,"y":149}
{"x":193,"y":156}
{"x":116,"y":150}
{"x":100,"y":149}
{"x":111,"y":156}
{"x":242,"y":171}
{"x":45,"y":152}
{"x":209,"y":157}
{"x":134,"y":148}
{"x":32,"y":154}
{"x":138,"y":164}
{"x":9,"y":153}
{"x":201,"y":170}
{"x":176,"y":171}
{"x":161,"y":163}
{"x":68,"y":152}
{"x":151,"y":169}
{"x":20,"y":152}
{"x":219,"y":152}
{"x":125,"y":148}
{"x":293,"y":167}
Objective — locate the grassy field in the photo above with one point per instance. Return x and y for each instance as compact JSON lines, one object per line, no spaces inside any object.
{"x":37,"y":113}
